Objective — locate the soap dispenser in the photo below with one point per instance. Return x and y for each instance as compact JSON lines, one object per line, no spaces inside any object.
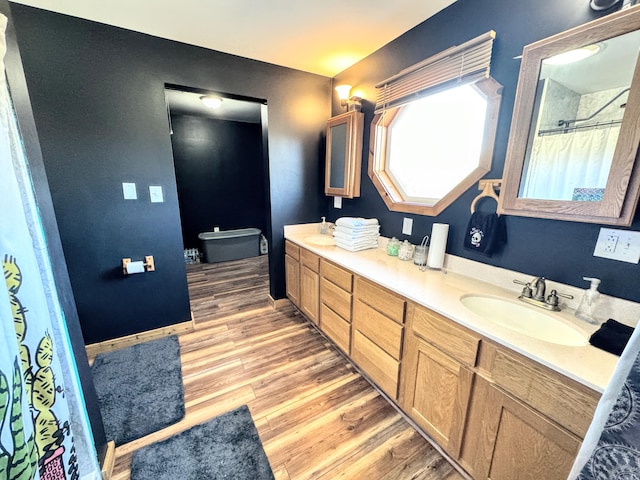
{"x":589,"y":302}
{"x":324,"y":227}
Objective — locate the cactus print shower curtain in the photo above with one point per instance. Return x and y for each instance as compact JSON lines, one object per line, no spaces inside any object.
{"x":44,"y":430}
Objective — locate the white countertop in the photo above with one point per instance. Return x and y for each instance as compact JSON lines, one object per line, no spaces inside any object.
{"x":441,"y":292}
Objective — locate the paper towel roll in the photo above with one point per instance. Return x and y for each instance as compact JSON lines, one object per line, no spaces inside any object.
{"x":135,"y":267}
{"x":438,"y":245}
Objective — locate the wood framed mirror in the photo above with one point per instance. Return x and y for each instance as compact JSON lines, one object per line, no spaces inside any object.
{"x":344,"y":155}
{"x":573,"y":145}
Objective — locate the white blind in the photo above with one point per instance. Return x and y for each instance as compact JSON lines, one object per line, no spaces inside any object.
{"x":465,"y":63}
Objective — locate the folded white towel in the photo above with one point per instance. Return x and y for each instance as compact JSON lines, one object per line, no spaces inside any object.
{"x":358,"y":232}
{"x":357,"y":244}
{"x":356,"y":221}
{"x":348,"y":237}
{"x":355,"y":248}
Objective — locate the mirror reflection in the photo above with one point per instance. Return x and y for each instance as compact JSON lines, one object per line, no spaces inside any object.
{"x":578,"y":110}
{"x":337,"y":177}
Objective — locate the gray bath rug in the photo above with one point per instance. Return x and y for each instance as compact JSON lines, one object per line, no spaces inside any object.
{"x":139,"y":389}
{"x":227,"y":447}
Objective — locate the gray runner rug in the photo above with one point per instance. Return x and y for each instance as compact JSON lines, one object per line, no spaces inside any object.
{"x":139,"y":389}
{"x":227,"y":447}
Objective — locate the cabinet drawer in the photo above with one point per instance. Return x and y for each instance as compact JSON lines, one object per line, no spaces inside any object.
{"x":336,"y":299}
{"x":380,"y":299}
{"x":561,"y":399}
{"x":337,"y":275}
{"x":292,"y":250}
{"x":446,"y":335}
{"x":310,"y":260}
{"x":378,"y":365}
{"x":382,"y":331}
{"x":336,"y":328}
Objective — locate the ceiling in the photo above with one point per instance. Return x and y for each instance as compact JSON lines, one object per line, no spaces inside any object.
{"x":188,"y":103}
{"x":318,"y":37}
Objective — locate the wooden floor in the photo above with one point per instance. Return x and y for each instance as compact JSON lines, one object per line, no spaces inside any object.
{"x":317,"y":418}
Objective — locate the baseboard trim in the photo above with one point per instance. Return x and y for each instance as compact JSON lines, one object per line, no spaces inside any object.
{"x":280,"y":303}
{"x":122,"y":342}
{"x":109,"y":461}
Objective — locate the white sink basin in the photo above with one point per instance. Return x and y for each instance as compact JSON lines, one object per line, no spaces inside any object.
{"x":320,"y":240}
{"x":524,"y":319}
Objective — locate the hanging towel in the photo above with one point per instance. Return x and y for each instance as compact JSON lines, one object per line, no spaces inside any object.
{"x":612,"y":337}
{"x":356,"y":221}
{"x":485,"y":233}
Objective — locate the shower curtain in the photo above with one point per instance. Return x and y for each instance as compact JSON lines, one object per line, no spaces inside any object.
{"x":611,"y":447}
{"x":560,"y":163}
{"x":44,"y":429}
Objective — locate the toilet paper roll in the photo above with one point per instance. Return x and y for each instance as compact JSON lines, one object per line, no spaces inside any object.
{"x":135,"y":267}
{"x":438,"y":245}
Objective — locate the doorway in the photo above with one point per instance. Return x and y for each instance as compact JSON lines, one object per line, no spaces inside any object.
{"x":221,"y":163}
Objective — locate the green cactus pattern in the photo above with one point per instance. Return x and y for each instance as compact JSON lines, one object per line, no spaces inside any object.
{"x":29,"y":454}
{"x":4,"y":408}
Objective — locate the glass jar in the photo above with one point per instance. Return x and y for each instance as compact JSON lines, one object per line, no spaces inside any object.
{"x":393,"y":246}
{"x":405,"y":252}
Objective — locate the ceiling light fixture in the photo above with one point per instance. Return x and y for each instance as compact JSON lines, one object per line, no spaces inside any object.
{"x":352,"y":102}
{"x":572,"y":56}
{"x":210,"y":101}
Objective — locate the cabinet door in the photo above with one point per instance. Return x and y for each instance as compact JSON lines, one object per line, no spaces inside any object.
{"x":292,"y":277}
{"x":309,"y":293}
{"x":520,"y":443}
{"x":437,"y":389}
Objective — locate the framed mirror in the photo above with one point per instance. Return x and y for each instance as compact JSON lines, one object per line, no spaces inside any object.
{"x":344,"y":155}
{"x":575,"y":130}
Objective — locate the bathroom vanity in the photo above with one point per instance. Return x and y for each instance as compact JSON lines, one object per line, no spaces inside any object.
{"x":497,"y":401}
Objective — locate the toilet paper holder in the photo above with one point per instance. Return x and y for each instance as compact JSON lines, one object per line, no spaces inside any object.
{"x":148,"y":264}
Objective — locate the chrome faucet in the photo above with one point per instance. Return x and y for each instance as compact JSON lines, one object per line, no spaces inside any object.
{"x":540,"y":287}
{"x":534,"y":293}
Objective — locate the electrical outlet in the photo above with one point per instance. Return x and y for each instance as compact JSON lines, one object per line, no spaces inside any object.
{"x":407,"y":226}
{"x":337,"y":202}
{"x":622,"y":245}
{"x":610,"y":243}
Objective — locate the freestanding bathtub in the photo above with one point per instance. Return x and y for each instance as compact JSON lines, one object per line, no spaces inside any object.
{"x":228,"y":245}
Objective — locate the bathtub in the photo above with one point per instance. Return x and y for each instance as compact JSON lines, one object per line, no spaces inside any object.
{"x":228,"y":245}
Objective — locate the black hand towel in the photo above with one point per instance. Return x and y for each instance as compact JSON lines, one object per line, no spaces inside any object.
{"x":485,"y":233}
{"x":612,"y":337}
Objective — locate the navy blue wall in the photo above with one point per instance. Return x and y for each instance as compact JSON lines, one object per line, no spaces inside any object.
{"x":98,"y":100}
{"x":561,"y":251}
{"x":220,"y":175}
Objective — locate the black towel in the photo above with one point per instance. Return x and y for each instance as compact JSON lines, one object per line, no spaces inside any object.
{"x":485,"y":233}
{"x":612,"y":336}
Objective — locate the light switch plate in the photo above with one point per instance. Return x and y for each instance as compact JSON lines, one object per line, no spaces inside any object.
{"x":155,"y":193}
{"x":407,"y":226}
{"x":622,"y":245}
{"x":337,"y":202}
{"x":129,"y":191}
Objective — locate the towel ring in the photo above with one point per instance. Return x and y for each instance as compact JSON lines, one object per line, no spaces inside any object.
{"x":488,"y":188}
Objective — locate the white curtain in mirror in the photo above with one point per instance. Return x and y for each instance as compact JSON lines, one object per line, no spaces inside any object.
{"x":560,"y":164}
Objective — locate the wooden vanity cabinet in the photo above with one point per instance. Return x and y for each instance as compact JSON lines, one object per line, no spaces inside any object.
{"x":336,"y":286}
{"x":437,"y":376}
{"x":508,"y":440}
{"x":377,"y":334}
{"x":525,"y":421}
{"x":310,"y":284}
{"x":292,"y":272}
{"x":499,"y":414}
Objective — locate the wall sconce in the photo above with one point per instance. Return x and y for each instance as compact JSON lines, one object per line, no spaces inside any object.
{"x":605,"y":4}
{"x":352,"y":102}
{"x":211,"y":102}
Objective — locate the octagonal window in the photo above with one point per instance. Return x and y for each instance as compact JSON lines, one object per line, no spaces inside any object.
{"x":428,"y":152}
